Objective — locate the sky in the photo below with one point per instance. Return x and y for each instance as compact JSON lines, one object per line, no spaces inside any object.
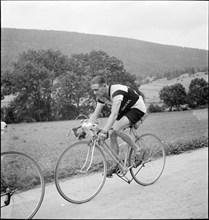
{"x":178,"y":23}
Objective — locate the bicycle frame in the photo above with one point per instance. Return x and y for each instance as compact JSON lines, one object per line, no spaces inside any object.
{"x":115,"y":157}
{"x":105,"y":147}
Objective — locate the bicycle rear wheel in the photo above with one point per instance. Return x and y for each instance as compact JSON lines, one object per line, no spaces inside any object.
{"x":154,"y":162}
{"x":22,"y":186}
{"x":80,"y":172}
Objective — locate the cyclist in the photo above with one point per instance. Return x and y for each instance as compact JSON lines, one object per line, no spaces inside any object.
{"x":127,"y":108}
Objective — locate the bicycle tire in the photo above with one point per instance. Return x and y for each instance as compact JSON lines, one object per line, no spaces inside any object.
{"x":153,"y":165}
{"x":72,"y":184}
{"x":24,"y":177}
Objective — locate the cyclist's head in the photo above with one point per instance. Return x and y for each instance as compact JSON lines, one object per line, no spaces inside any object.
{"x":98,"y":80}
{"x":99,"y":86}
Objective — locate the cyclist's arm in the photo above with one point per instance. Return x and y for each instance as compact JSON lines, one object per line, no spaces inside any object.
{"x":96,"y":113}
{"x":113,"y":116}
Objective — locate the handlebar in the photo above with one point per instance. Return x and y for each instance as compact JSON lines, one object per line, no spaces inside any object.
{"x":94,"y":130}
{"x":91,"y":127}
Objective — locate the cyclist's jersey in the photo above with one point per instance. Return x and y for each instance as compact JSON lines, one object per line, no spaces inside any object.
{"x":129,"y":97}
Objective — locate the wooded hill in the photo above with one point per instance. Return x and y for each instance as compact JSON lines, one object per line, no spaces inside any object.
{"x":139,"y":57}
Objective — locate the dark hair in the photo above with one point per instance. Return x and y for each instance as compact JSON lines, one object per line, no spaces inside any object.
{"x":98,"y":80}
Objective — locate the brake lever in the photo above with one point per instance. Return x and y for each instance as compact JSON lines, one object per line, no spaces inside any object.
{"x":75,"y":131}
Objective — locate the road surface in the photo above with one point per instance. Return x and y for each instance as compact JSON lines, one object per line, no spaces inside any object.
{"x":181,"y":192}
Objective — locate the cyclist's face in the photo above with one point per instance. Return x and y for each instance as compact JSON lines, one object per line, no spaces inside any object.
{"x":99,"y":90}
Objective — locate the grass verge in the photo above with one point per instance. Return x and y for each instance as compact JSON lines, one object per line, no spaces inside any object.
{"x":186,"y":145}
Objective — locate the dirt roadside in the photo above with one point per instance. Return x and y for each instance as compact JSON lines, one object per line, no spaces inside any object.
{"x":181,"y":192}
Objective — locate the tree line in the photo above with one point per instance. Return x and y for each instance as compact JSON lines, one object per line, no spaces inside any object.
{"x":49,"y":85}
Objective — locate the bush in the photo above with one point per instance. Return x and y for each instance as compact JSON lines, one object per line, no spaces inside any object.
{"x":155,"y":108}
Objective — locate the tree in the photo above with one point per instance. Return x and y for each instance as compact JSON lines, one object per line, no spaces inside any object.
{"x":70,"y":96}
{"x":99,"y":62}
{"x":85,"y":66}
{"x":198,"y":92}
{"x":7,"y":86}
{"x":33,"y":77}
{"x":174,"y":95}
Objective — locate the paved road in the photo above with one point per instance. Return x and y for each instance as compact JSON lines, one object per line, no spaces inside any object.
{"x":181,"y":192}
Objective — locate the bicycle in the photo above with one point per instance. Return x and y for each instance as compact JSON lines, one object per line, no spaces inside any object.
{"x":22,"y":186}
{"x":81,"y":169}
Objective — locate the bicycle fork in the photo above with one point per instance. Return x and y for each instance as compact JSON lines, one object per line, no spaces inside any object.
{"x":89,"y":156}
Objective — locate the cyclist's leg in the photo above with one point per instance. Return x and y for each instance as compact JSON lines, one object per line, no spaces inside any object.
{"x":131,"y":117}
{"x":118,"y":125}
{"x":127,"y":138}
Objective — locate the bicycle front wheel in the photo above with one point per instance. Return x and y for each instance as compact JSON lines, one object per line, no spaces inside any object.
{"x":22,"y":186}
{"x":153,"y":163}
{"x":80,"y":172}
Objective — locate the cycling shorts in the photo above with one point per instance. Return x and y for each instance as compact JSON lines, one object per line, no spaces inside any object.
{"x":134,"y":115}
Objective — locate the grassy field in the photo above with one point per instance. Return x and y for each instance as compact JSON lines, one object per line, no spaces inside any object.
{"x":46,"y":141}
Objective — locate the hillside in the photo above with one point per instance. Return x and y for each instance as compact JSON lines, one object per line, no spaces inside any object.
{"x":151,"y":90}
{"x":139,"y":57}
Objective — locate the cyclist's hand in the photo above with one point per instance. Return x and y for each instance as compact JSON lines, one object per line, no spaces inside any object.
{"x":103,"y":135}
